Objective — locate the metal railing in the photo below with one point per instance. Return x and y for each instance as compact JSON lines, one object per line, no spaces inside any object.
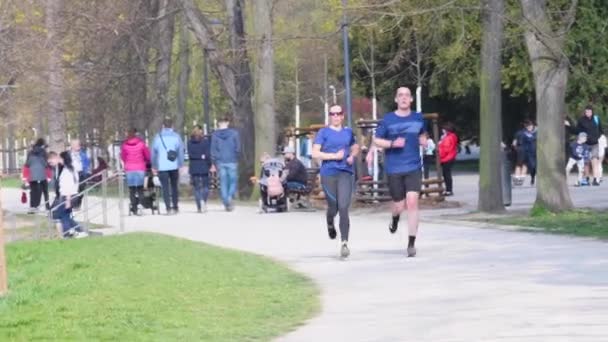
{"x":95,"y":205}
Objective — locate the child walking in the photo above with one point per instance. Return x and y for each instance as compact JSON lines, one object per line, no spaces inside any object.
{"x":579,"y":156}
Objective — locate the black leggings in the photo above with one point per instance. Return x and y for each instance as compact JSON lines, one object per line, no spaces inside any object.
{"x":338,"y":192}
{"x":37,"y":189}
{"x":136,"y":193}
{"x":447,"y":175}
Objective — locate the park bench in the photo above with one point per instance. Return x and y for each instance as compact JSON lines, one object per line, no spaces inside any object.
{"x":301,"y":198}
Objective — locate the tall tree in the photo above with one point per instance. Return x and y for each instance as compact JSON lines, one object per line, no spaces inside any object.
{"x":265,"y":120}
{"x":545,"y":40}
{"x":184,"y":73}
{"x":490,"y":103}
{"x":232,"y":71}
{"x":166,"y":28}
{"x":138,"y":59}
{"x":242,"y":107}
{"x":55,"y":94}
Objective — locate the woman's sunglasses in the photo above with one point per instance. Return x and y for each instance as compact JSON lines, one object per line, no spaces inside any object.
{"x":335,"y":113}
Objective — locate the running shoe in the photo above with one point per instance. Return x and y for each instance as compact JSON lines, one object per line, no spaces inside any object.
{"x":331,"y":231}
{"x":595,"y":182}
{"x":344,"y":251}
{"x":411,"y":252}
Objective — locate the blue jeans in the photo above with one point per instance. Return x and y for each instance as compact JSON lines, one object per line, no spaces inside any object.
{"x":229,"y":178}
{"x":295,"y":186}
{"x":65,"y":217}
{"x":200,"y":185}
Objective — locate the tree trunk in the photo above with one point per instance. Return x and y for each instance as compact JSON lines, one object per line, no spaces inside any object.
{"x":550,"y":69}
{"x":234,"y":77}
{"x":3,"y":272}
{"x":166,"y":27}
{"x":552,"y":183}
{"x":55,"y":111}
{"x":242,"y":108}
{"x":490,"y":162}
{"x":184,"y":74}
{"x":265,"y":121}
{"x":138,"y":51}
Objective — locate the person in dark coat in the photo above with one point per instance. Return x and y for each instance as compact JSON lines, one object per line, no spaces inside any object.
{"x":590,"y":124}
{"x":36,"y":174}
{"x":199,"y":153}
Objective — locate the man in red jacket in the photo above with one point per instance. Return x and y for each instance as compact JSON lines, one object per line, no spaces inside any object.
{"x":448,"y":149}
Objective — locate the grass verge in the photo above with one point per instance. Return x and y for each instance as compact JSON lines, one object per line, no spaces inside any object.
{"x":587,"y":223}
{"x":147,"y":287}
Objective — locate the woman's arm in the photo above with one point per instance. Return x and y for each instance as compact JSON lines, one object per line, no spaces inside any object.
{"x":317,"y":154}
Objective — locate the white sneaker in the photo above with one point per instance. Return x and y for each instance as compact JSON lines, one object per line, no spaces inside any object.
{"x":80,"y":235}
{"x":344,"y":251}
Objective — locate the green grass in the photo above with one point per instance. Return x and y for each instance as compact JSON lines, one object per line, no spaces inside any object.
{"x":586,"y":223}
{"x":11,"y":182}
{"x":147,"y":287}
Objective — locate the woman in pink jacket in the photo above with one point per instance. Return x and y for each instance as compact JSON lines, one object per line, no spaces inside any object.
{"x":135,"y":156}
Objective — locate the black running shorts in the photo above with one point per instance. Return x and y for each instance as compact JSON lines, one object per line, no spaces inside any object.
{"x":401,"y":183}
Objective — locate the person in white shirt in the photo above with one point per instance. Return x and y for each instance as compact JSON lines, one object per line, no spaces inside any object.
{"x":68,"y":188}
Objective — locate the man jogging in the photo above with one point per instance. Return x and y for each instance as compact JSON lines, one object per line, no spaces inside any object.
{"x":335,"y":146}
{"x":167,"y":158}
{"x":400,"y":134}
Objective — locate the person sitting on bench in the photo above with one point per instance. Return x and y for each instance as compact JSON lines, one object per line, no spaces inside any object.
{"x":295,"y":171}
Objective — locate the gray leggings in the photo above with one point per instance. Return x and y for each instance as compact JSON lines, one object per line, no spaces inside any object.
{"x":338,"y":191}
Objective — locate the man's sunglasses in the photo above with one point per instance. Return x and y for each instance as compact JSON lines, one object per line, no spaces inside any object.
{"x":335,"y":113}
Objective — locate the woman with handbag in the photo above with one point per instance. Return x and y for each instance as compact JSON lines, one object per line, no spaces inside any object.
{"x":67,"y":190}
{"x":199,"y":153}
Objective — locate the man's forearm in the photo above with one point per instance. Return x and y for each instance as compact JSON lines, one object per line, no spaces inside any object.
{"x":354,"y":150}
{"x":383,"y":143}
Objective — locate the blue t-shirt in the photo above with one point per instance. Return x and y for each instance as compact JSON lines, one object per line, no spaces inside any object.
{"x":333,"y":141}
{"x":391,"y":127}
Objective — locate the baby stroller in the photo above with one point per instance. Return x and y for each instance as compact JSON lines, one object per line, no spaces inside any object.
{"x":151,"y":194}
{"x":272,"y":187}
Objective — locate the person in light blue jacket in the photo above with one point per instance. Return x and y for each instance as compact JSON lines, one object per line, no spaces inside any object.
{"x":167,"y":158}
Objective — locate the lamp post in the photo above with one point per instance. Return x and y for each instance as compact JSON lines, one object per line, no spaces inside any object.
{"x":346,"y":65}
{"x":206,"y":105}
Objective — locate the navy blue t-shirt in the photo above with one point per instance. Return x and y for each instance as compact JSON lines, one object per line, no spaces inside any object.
{"x":332,"y":141}
{"x":391,"y":127}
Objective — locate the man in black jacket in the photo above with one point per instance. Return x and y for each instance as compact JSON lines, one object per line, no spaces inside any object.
{"x":296,"y":174}
{"x":591,"y":125}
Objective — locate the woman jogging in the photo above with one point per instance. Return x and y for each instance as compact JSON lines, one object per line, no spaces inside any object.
{"x":135,"y":156}
{"x":199,"y":153}
{"x":335,"y":146}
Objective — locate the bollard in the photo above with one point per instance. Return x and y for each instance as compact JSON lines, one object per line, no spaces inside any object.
{"x":506,"y":179}
{"x":104,"y":197}
{"x":121,"y":187}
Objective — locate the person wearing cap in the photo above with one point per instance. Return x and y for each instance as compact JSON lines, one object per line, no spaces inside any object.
{"x":295,"y":171}
{"x":579,"y":153}
{"x":590,"y":124}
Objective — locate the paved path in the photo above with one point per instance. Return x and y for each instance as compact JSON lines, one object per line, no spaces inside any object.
{"x":467,"y":284}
